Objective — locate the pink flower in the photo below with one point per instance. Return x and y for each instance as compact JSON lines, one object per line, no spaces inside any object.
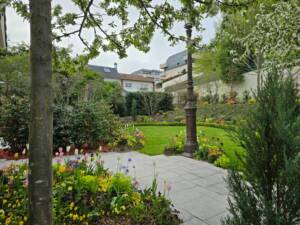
{"x":56,"y":154}
{"x":61,"y":154}
{"x":60,"y":149}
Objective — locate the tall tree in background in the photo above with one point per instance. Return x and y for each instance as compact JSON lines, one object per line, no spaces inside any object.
{"x":41,"y":121}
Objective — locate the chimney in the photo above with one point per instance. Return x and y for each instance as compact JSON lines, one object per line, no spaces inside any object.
{"x":116,"y":66}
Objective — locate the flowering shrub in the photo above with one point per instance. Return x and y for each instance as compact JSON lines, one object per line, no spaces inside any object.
{"x":128,"y":139}
{"x":209,"y":149}
{"x":85,"y":193}
{"x":176,"y":144}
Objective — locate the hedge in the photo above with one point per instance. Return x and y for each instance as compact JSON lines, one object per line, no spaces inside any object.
{"x":204,"y":124}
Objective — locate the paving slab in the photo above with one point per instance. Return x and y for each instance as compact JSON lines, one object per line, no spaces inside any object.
{"x":198,"y":189}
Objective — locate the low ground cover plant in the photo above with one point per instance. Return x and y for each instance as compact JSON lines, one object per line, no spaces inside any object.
{"x":84,"y":192}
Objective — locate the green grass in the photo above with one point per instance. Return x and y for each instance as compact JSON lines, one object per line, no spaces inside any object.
{"x":157,"y":138}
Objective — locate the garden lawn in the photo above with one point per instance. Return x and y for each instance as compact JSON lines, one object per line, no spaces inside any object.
{"x":157,"y":138}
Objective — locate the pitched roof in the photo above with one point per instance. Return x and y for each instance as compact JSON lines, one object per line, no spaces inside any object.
{"x":106,"y":72}
{"x":139,"y":78}
{"x":176,"y":60}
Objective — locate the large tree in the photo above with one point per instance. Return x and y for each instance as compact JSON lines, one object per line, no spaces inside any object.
{"x":41,"y":119}
{"x":114,"y":33}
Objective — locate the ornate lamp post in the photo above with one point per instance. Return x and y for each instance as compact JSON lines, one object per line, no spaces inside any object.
{"x":190,"y":108}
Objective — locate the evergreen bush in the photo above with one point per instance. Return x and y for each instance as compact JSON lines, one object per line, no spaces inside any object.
{"x":267,"y":191}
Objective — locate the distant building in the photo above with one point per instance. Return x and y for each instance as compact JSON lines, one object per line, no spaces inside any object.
{"x":175,"y":70}
{"x":136,"y":83}
{"x":155,"y":74}
{"x":3,"y":37}
{"x":128,"y":82}
{"x":110,"y":74}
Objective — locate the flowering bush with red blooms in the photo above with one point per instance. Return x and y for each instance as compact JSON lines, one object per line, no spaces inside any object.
{"x":86,"y":193}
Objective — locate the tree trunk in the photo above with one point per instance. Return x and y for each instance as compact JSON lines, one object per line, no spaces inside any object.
{"x":258,"y":65}
{"x":41,"y":123}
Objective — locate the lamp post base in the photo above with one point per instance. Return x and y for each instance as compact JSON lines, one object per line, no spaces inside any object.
{"x":189,"y":149}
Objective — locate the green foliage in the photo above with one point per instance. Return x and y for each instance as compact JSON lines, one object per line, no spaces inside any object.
{"x":92,"y":123}
{"x":120,"y":184}
{"x":61,"y":125}
{"x":83,"y":123}
{"x":89,"y":183}
{"x":176,"y":144}
{"x":268,"y":189}
{"x":14,"y":122}
{"x":128,"y":139}
{"x":149,"y":103}
{"x":276,"y":22}
{"x":133,"y":109}
{"x":14,"y":73}
{"x":210,"y":149}
{"x":85,"y":194}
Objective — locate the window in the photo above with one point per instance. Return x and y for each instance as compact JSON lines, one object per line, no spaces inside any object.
{"x":144,"y":87}
{"x":106,"y":70}
{"x":128,"y":85}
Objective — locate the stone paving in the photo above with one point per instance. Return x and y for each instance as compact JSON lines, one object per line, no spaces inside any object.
{"x":198,"y":189}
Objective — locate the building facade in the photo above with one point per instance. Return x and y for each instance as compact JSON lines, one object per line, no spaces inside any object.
{"x":174,"y":70}
{"x":155,"y":74}
{"x":3,"y":37}
{"x":128,"y":82}
{"x":136,"y":83}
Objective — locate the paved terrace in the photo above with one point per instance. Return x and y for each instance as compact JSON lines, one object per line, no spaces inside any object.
{"x":198,"y":189}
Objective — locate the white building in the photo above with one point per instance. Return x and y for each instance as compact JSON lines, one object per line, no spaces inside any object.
{"x":3,"y":37}
{"x":155,"y":74}
{"x":175,"y":70}
{"x":128,"y":82}
{"x":136,"y":83}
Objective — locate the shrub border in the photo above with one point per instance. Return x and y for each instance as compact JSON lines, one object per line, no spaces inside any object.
{"x":203,"y":124}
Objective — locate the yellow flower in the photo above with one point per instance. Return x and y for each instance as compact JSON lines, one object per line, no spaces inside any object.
{"x":62,"y":169}
{"x":25,"y":218}
{"x":21,"y":223}
{"x":72,"y":205}
{"x":75,"y":217}
{"x":4,"y":201}
{"x":8,"y":221}
{"x":2,"y":213}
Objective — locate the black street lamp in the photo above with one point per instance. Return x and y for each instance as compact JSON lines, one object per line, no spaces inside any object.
{"x":190,"y":108}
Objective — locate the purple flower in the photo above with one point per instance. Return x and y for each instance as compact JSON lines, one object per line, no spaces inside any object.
{"x":130,"y":159}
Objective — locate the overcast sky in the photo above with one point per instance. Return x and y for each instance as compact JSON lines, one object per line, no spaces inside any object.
{"x":18,"y":31}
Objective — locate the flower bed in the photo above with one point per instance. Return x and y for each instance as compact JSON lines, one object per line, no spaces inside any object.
{"x":210,"y":149}
{"x":128,"y":139}
{"x":84,"y":192}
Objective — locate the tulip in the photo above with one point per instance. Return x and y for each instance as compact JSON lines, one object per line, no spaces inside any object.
{"x":68,"y":149}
